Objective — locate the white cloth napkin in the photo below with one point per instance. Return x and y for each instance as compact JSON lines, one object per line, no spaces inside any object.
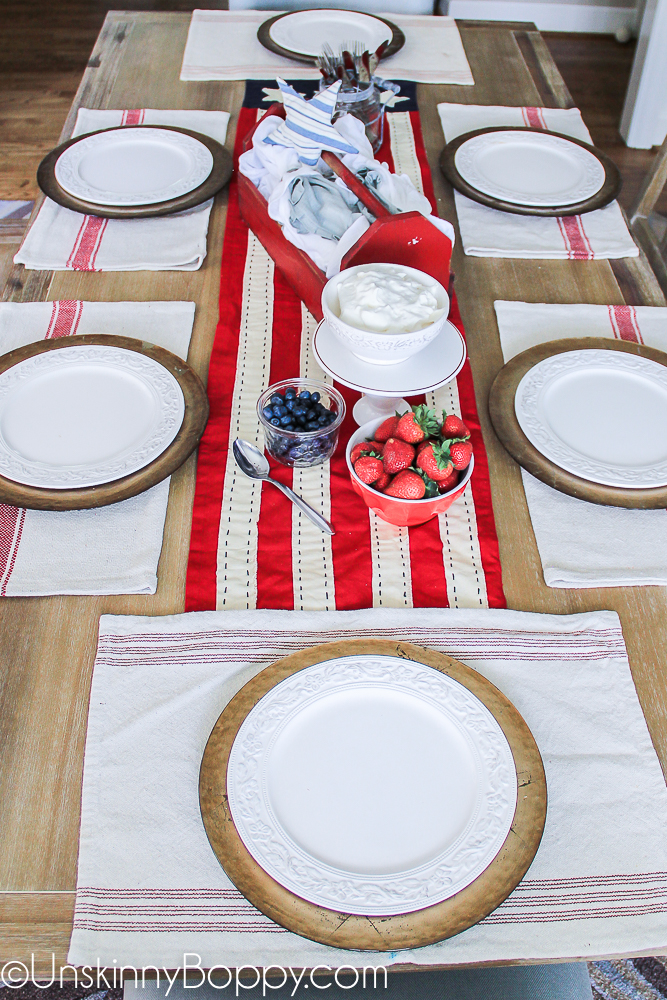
{"x":108,"y":550}
{"x":487,"y":232}
{"x":150,"y":888}
{"x":223,"y":45}
{"x":61,"y":240}
{"x":584,"y":544}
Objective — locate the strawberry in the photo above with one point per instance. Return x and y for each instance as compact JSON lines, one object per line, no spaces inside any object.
{"x":435,"y":461}
{"x":453,"y":427}
{"x":397,"y":455}
{"x":445,"y":485}
{"x":460,"y":453}
{"x":417,"y":424}
{"x":382,"y":483}
{"x":386,"y":429}
{"x":368,"y":469}
{"x":407,"y":485}
{"x":365,"y":448}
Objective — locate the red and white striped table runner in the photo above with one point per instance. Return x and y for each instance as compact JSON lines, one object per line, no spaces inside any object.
{"x":109,"y":550}
{"x":583,"y":544}
{"x":250,"y":547}
{"x":489,"y":233}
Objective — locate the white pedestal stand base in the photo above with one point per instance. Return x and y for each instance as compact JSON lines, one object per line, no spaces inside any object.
{"x":373,"y":407}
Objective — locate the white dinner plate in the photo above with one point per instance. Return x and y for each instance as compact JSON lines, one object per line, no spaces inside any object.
{"x":133,"y":166}
{"x":598,"y":414}
{"x":430,"y":368}
{"x":372,"y":784}
{"x":530,"y":168}
{"x":304,"y":32}
{"x":83,"y":416}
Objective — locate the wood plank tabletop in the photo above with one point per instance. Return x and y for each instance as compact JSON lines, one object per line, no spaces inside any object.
{"x":47,"y":645}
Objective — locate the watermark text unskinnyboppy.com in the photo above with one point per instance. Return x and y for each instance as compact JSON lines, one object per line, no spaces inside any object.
{"x":16,"y":974}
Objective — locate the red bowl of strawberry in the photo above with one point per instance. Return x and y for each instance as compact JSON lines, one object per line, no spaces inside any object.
{"x":408,"y":482}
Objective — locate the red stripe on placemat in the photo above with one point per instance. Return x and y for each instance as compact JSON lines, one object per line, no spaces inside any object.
{"x":624,"y":323}
{"x":11,"y":528}
{"x":200,"y":593}
{"x":134,"y":117}
{"x":65,"y":318}
{"x":479,"y":481}
{"x":574,"y":236}
{"x":534,"y":117}
{"x":87,"y":243}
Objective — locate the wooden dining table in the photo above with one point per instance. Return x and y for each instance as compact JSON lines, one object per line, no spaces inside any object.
{"x":47,"y":644}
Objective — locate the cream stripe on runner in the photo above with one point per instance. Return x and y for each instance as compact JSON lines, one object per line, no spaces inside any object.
{"x":237,"y":535}
{"x":403,"y":149}
{"x":390,"y":556}
{"x":312,"y":559}
{"x":461,"y":554}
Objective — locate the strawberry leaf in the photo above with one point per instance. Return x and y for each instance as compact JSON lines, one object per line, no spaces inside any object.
{"x":431,"y":486}
{"x":426,"y":419}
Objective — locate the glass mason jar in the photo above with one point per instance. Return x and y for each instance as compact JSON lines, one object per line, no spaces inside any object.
{"x":365,"y":105}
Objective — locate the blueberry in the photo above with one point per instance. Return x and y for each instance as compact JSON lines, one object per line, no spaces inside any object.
{"x":290,"y":404}
{"x":310,"y":415}
{"x":290,"y":393}
{"x":304,"y":395}
{"x":285,"y":420}
{"x":268,"y":412}
{"x":276,"y":399}
{"x":321,"y":420}
{"x":315,"y":396}
{"x":279,"y":411}
{"x":275,"y":421}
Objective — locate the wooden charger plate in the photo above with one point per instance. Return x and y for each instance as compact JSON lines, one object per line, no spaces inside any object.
{"x":185,"y":442}
{"x":506,"y":425}
{"x":218,"y":177}
{"x":606,"y":194}
{"x":396,"y":42}
{"x":343,"y":930}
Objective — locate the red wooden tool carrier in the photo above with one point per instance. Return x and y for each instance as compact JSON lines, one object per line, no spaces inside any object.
{"x":404,"y":238}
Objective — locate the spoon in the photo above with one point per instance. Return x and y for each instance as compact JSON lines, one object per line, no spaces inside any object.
{"x":255,"y":465}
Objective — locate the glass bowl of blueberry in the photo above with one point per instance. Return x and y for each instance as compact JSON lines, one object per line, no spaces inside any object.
{"x":301,"y":419}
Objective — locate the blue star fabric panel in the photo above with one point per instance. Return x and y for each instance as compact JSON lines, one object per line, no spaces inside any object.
{"x":308,"y":125}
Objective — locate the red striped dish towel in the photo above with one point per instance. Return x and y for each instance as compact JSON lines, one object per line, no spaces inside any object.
{"x":251,"y":548}
{"x":109,"y":550}
{"x":149,"y":887}
{"x":61,"y":240}
{"x":486,"y":232}
{"x":584,"y":544}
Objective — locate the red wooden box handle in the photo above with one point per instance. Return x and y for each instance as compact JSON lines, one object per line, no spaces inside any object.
{"x":366,"y":197}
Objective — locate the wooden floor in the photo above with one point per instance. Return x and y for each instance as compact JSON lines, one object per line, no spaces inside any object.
{"x":46,"y":44}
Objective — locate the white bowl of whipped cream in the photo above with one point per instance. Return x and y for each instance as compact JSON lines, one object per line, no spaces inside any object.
{"x":384,"y":313}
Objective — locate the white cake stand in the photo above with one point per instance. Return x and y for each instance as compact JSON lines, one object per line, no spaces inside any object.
{"x":384,"y":386}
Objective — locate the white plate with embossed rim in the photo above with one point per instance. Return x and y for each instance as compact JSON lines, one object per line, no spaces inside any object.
{"x":530,"y":168}
{"x":85,"y":416}
{"x":433,"y":366}
{"x":372,"y":784}
{"x":598,"y":414}
{"x":133,"y":166}
{"x":302,"y":34}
